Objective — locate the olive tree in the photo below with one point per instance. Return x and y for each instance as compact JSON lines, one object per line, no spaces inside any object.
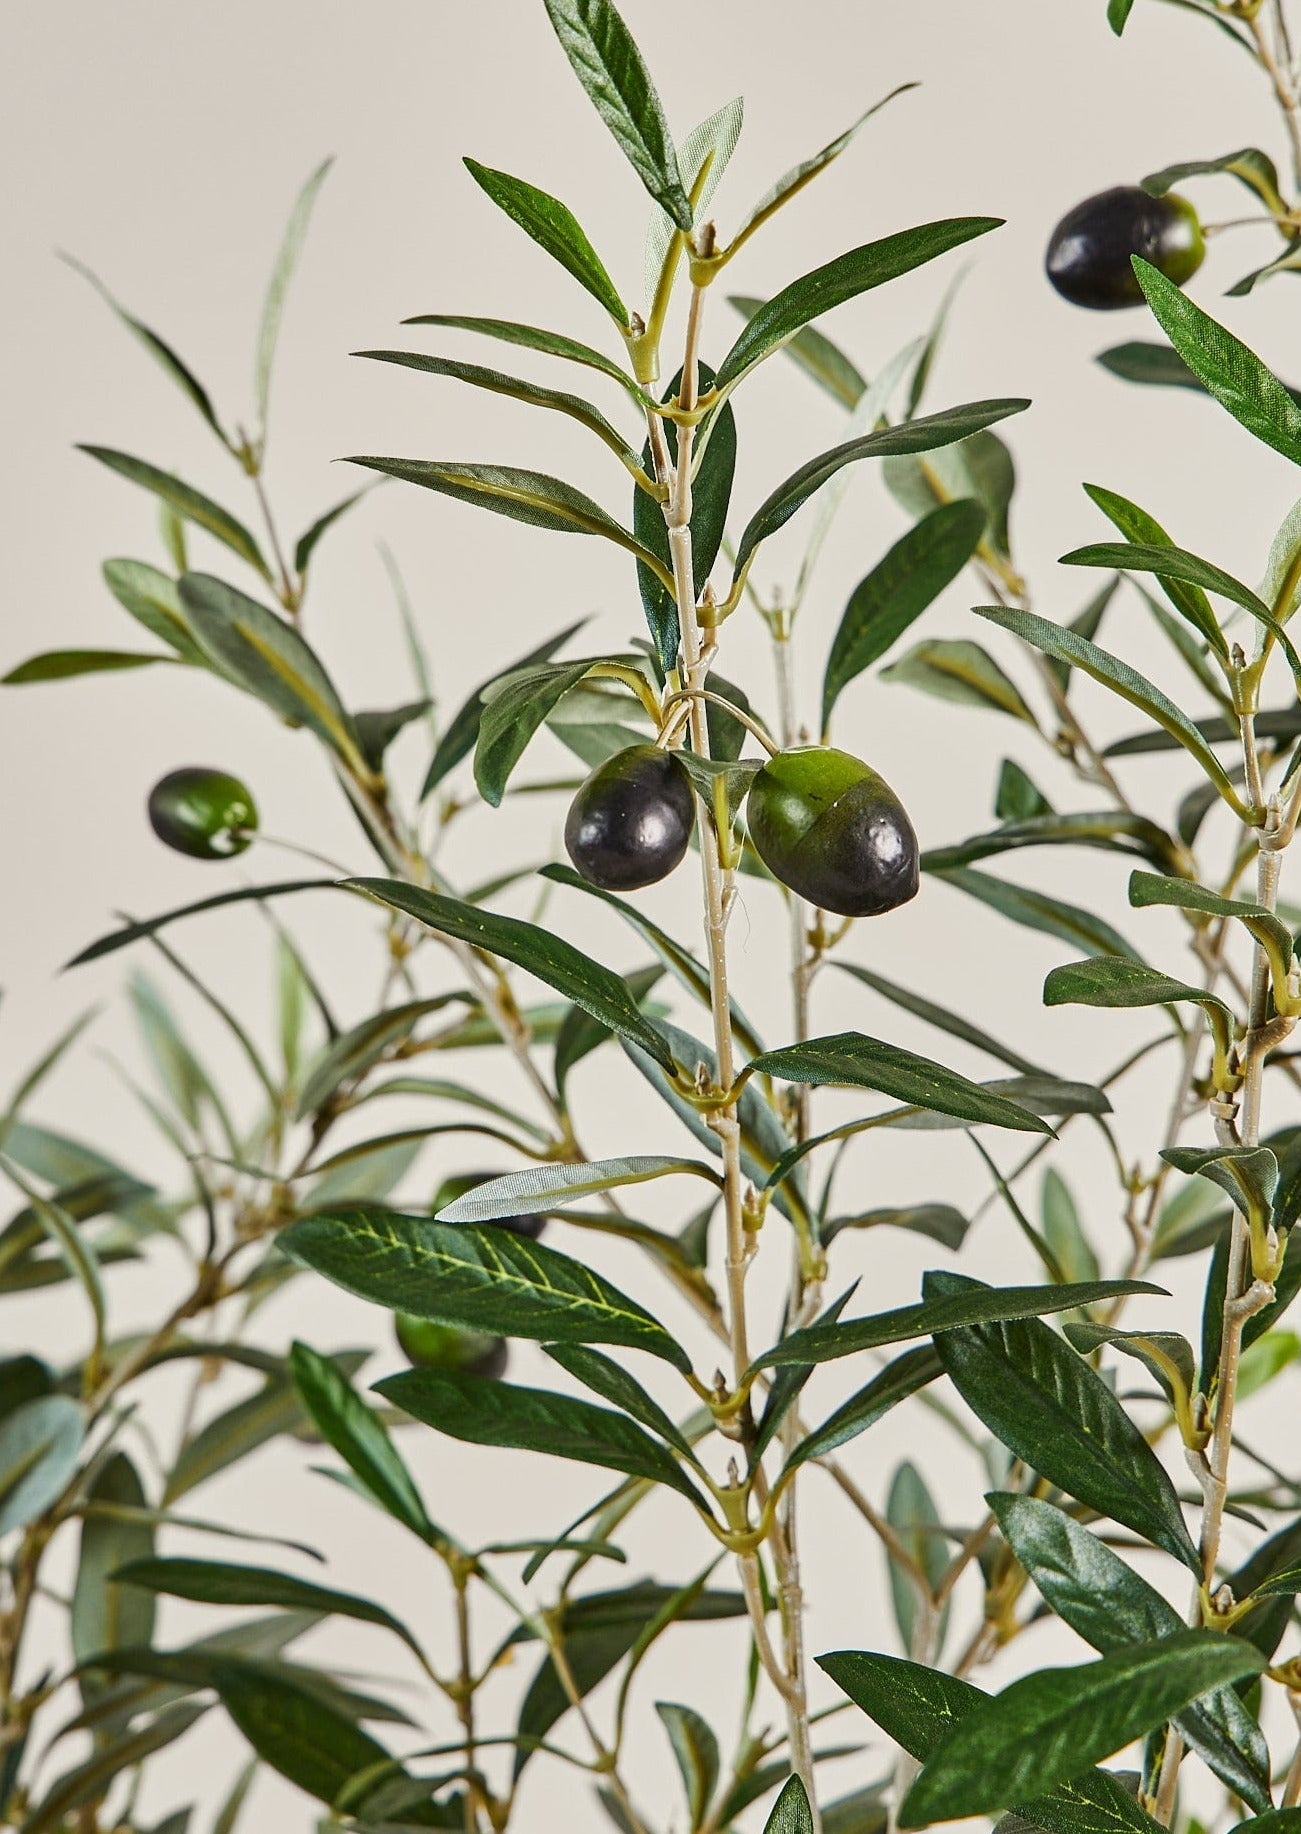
{"x":1103,"y":1418}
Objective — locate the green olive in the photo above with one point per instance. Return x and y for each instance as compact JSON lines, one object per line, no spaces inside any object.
{"x":630,"y":823}
{"x":452,"y":1188}
{"x":831,"y":829}
{"x":430,"y":1345}
{"x":206,"y":813}
{"x":1089,"y":258}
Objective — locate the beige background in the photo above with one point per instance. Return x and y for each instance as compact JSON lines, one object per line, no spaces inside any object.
{"x":162,"y":144}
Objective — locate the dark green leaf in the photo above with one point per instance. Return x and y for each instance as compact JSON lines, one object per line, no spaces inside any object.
{"x":549,"y":343}
{"x":553,"y":226}
{"x":188,"y":503}
{"x":1050,"y":1409}
{"x":488,"y":1412}
{"x":1119,"y":982}
{"x":1118,"y":12}
{"x":1046,"y":1728}
{"x":1234,"y":374}
{"x":896,"y":1382}
{"x":1118,"y":831}
{"x":136,"y":932}
{"x":274,"y":1410}
{"x":90,"y":1780}
{"x":605,"y":1378}
{"x":1155,"y":365}
{"x":816,"y":355}
{"x":942,"y":1017}
{"x":39,"y":1445}
{"x":1254,"y":169}
{"x":696,"y":1751}
{"x":61,"y":665}
{"x":938,"y":1222}
{"x":943,"y":1310}
{"x":350,"y":1425}
{"x":483,"y":1278}
{"x":462,"y":732}
{"x":955,"y":669}
{"x":106,"y":1614}
{"x":1017,"y":796}
{"x":608,"y":64}
{"x":842,"y":279}
{"x":791,"y":1813}
{"x":513,"y":708}
{"x":1037,"y":911}
{"x":1147,"y":888}
{"x":305,"y":546}
{"x":922,"y":435}
{"x":1187,"y":595}
{"x":853,"y":1060}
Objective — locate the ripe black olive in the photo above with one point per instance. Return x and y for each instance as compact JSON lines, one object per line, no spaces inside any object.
{"x":452,"y":1188}
{"x":1088,"y":259}
{"x":630,"y":823}
{"x":831,"y":829}
{"x":206,"y":813}
{"x":430,"y":1345}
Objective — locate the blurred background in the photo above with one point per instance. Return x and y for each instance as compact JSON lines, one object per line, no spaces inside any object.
{"x":162,"y":146}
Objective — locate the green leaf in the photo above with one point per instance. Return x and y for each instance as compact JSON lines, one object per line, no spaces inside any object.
{"x":1046,"y":1728}
{"x":351,"y":1426}
{"x":941,"y":1310}
{"x":150,"y":597}
{"x":1187,"y":595}
{"x":711,"y":495}
{"x":910,"y":1510}
{"x":1050,"y":1409}
{"x":897,"y":590}
{"x":162,"y":353}
{"x":792,"y":182}
{"x":1110,"y":982}
{"x":60,"y":665}
{"x":266,"y":657}
{"x":1121,"y":679}
{"x":1110,"y":1605}
{"x":816,"y":355}
{"x":39,"y":1446}
{"x":220,"y":1582}
{"x":896,"y":1382}
{"x":106,"y":1614}
{"x":1118,"y":12}
{"x":1249,"y":1174}
{"x":525,"y":496}
{"x":531,"y":392}
{"x":274,"y":1410}
{"x":1037,"y":911}
{"x":137,"y":932}
{"x":580,"y":979}
{"x":711,"y":143}
{"x":313,"y":1744}
{"x":980,"y":468}
{"x":90,"y":1780}
{"x":1171,"y":563}
{"x":849,"y":275}
{"x":1118,"y":831}
{"x":922,"y":435}
{"x":938,"y":1222}
{"x":696,"y":1751}
{"x":1155,"y":365}
{"x":513,"y":708}
{"x":462,"y":731}
{"x":1235,"y":375}
{"x":608,"y":64}
{"x":853,"y":1060}
{"x":348,"y":1056}
{"x":305,"y":546}
{"x":943,"y":1017}
{"x":1149,"y":888}
{"x":1017,"y":796}
{"x":543,"y":1188}
{"x":488,"y":1412}
{"x":606,"y":1378}
{"x":291,"y":247}
{"x":190,"y":504}
{"x":482,"y":1278}
{"x":1254,"y":169}
{"x":956,"y":669}
{"x":548,"y":343}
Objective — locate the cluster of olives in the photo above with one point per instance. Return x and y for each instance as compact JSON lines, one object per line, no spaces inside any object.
{"x":1090,"y":253}
{"x":205,"y":813}
{"x":824,"y":823}
{"x":430,"y":1345}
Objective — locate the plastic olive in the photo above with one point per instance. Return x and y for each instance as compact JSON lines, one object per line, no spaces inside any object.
{"x":630,"y":823}
{"x":452,"y":1188}
{"x":430,"y":1345}
{"x":831,"y":829}
{"x":1089,"y":252}
{"x":206,"y":813}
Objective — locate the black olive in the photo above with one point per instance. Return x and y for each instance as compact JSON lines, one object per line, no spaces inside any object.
{"x":630,"y":823}
{"x":1089,"y":252}
{"x":206,"y":813}
{"x":430,"y":1345}
{"x":452,"y":1188}
{"x":831,"y":829}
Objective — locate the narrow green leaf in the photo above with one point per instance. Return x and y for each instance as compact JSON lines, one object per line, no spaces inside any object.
{"x":897,"y":590}
{"x":816,"y":355}
{"x":106,"y":1614}
{"x":791,"y":1813}
{"x":1251,"y":167}
{"x":900,"y":1379}
{"x":1035,"y":910}
{"x":462,"y":732}
{"x":542,"y":1188}
{"x":1235,"y":375}
{"x":39,"y":1445}
{"x":553,"y":226}
{"x":291,"y":247}
{"x":513,"y":708}
{"x":1188,"y":596}
{"x":1109,"y":982}
{"x":305,"y":546}
{"x":1117,"y":831}
{"x":910,"y":1510}
{"x":710,"y":144}
{"x":484,"y":1278}
{"x":61,"y":665}
{"x":697,"y":1754}
{"x":547,"y":343}
{"x":190,"y":504}
{"x":138,"y":932}
{"x":955,"y":669}
{"x":350,"y":1425}
{"x":606,"y":1378}
{"x":608,"y":64}
{"x":1149,"y":888}
{"x":943,"y":1017}
{"x":487,"y":1412}
{"x":90,"y":1780}
{"x":1118,"y":12}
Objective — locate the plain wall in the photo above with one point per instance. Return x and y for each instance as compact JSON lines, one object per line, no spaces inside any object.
{"x":162,"y":146}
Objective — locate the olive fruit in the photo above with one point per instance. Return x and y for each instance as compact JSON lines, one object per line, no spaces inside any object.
{"x":452,"y":1188}
{"x":630,"y":823}
{"x":831,"y":829}
{"x":1088,"y":258}
{"x":430,"y":1345}
{"x":206,"y":813}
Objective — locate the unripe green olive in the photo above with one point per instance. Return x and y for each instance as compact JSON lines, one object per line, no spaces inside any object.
{"x":452,"y":1188}
{"x":630,"y":823}
{"x":831,"y":829}
{"x":206,"y":813}
{"x":430,"y":1345}
{"x":1089,"y":252}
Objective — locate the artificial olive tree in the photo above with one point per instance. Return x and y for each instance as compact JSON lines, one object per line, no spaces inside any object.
{"x":1102,"y":1417}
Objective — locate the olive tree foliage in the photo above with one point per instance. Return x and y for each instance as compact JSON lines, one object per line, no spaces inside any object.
{"x":1102,"y":1416}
